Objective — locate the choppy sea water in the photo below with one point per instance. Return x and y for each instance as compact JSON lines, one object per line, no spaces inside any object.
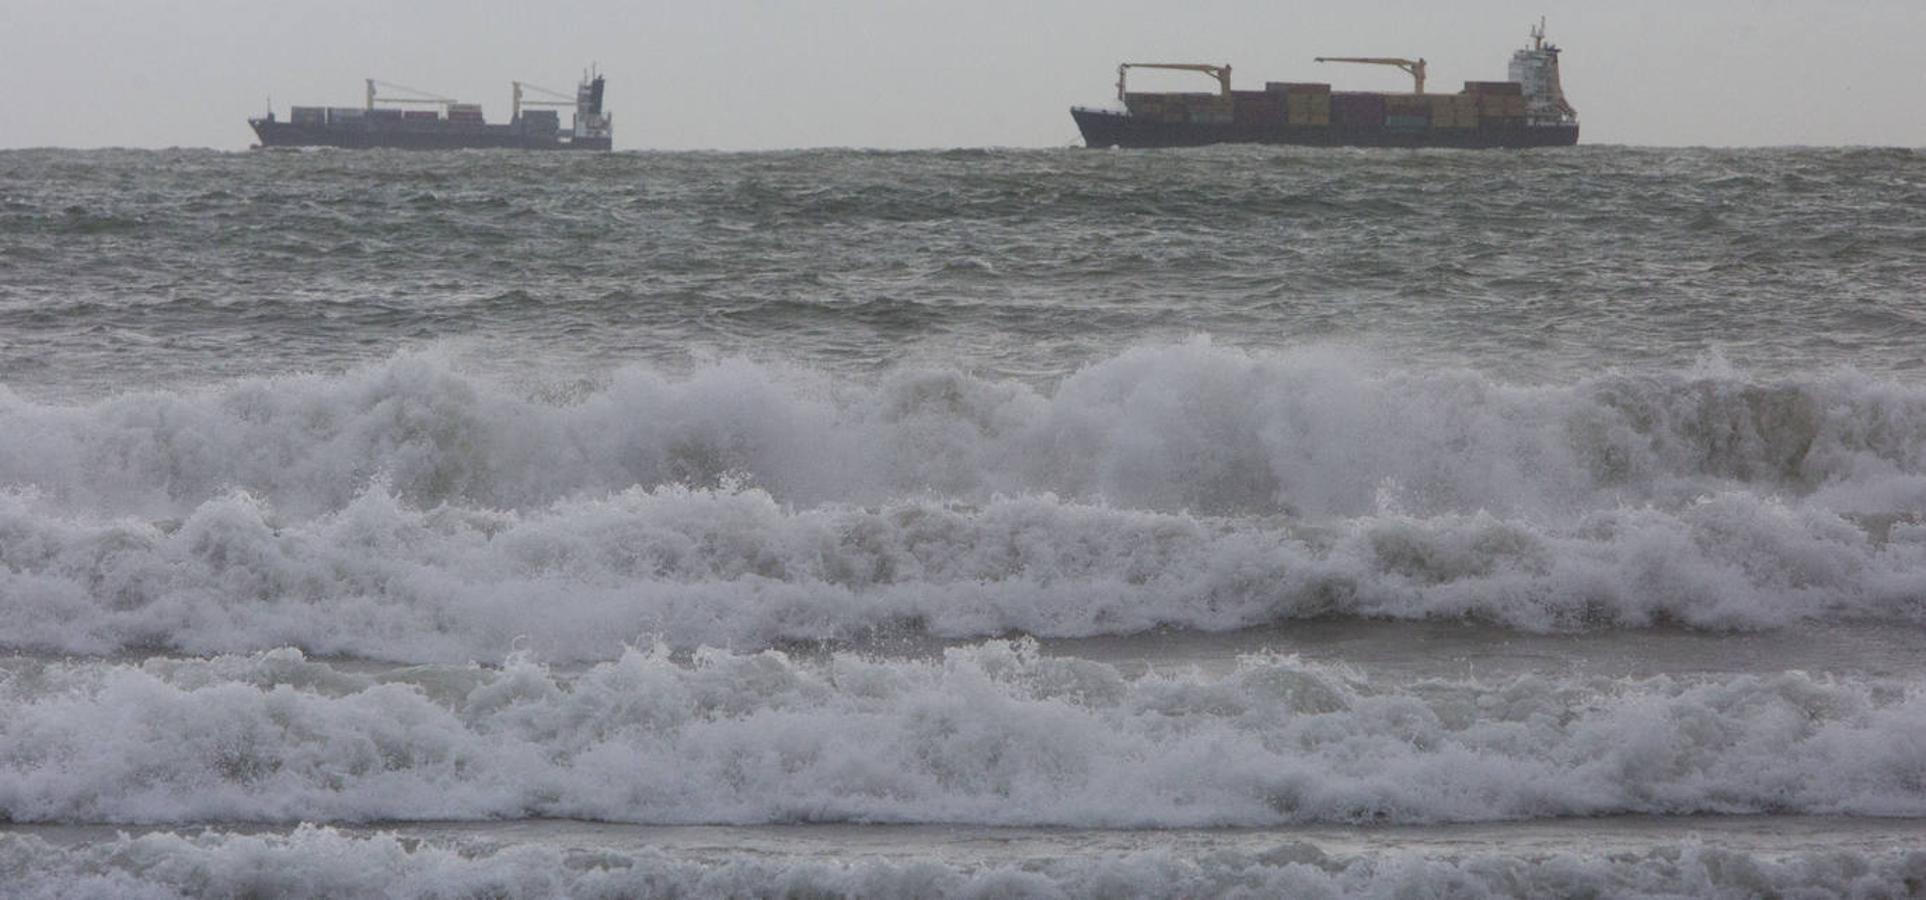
{"x":994,"y":523}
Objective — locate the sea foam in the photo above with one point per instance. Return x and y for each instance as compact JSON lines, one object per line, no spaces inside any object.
{"x":1192,"y":427}
{"x":408,"y":512}
{"x":324,"y":862}
{"x":995,"y":734}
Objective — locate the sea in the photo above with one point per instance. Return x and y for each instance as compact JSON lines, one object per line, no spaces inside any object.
{"x":1230,"y":522}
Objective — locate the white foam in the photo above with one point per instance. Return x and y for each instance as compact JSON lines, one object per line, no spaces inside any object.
{"x":408,"y":512}
{"x":323,"y":862}
{"x":577,"y":580}
{"x":994,"y":735}
{"x":1169,"y":428}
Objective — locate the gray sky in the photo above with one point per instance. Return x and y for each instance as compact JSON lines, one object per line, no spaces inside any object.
{"x":756,"y":74}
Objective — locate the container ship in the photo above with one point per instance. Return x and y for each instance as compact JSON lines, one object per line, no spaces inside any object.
{"x":534,"y":123}
{"x":1528,"y":110}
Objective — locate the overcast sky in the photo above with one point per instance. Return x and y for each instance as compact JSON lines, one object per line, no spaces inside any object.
{"x":757,"y":74}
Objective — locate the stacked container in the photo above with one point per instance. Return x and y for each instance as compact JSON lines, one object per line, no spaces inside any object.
{"x":465,"y":113}
{"x":1261,"y":108}
{"x":1191,"y":107}
{"x":1198,"y":109}
{"x":1407,"y":112}
{"x":541,"y":121}
{"x":1305,"y":104}
{"x":1148,"y":106}
{"x":310,"y":115}
{"x":1358,"y":111}
{"x":1454,"y":111}
{"x":1501,"y":104}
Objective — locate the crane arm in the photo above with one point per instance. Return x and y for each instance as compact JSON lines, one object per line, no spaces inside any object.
{"x":1413,"y":66}
{"x":517,"y":101}
{"x":425,"y":98}
{"x":542,"y":90}
{"x":1221,"y":73}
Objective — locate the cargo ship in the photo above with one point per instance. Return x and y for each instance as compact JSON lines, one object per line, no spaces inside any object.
{"x":453,"y":125}
{"x":1528,"y":110}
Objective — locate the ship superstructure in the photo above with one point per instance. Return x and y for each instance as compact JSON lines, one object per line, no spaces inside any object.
{"x":534,"y":121}
{"x":1527,"y":110}
{"x":1535,"y":68}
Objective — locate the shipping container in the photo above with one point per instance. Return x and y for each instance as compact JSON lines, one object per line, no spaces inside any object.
{"x":1315,"y":115}
{"x":1258,"y":112}
{"x":439,"y":125}
{"x":1355,"y":110}
{"x":1409,"y":106}
{"x":1498,"y":106}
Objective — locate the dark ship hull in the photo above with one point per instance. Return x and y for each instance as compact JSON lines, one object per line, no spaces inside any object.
{"x":430,"y":136}
{"x":1104,"y":128}
{"x":1528,"y":109}
{"x":534,"y":124}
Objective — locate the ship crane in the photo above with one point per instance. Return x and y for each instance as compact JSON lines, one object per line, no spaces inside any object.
{"x":1221,"y":73}
{"x":1413,"y":66}
{"x":425,"y":97}
{"x":515,"y":106}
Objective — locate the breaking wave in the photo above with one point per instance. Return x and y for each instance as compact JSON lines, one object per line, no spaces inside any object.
{"x":994,"y":734}
{"x":409,"y":512}
{"x":1192,"y":427}
{"x":578,"y":580}
{"x":324,"y":862}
